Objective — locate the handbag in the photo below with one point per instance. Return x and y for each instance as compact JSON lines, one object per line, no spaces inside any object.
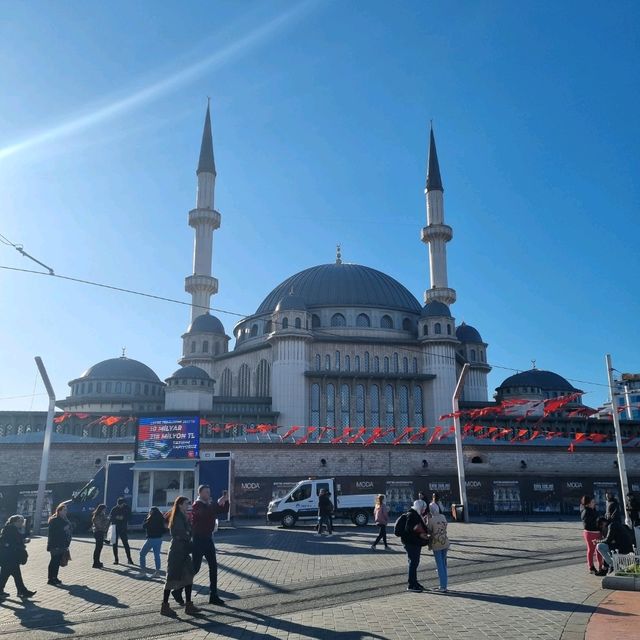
{"x":64,"y":559}
{"x":111,"y":534}
{"x":23,"y":556}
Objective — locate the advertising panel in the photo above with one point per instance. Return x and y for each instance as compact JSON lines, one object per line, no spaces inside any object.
{"x":400,"y":495}
{"x":506,"y":496}
{"x":27,"y":505}
{"x":572,"y":491}
{"x":361,"y":485}
{"x":544,"y":497}
{"x":252,"y":497}
{"x":173,"y":437}
{"x":600,"y":489}
{"x":280,"y":489}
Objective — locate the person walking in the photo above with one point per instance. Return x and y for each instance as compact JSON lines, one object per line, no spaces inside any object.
{"x":591,"y":533}
{"x":13,"y":553}
{"x":439,"y":543}
{"x":99,"y":526}
{"x":616,"y":537}
{"x":119,"y":518}
{"x":381,"y":518}
{"x":325,"y":509}
{"x":180,"y":571}
{"x":613,"y":511}
{"x":414,"y":537}
{"x":203,"y":515}
{"x":154,"y":526}
{"x":58,"y":541}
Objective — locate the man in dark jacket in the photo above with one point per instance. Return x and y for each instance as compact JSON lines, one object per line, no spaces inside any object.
{"x":325,"y":509}
{"x":617,"y":537}
{"x":119,"y":518}
{"x":203,"y":515}
{"x":413,"y":539}
{"x":613,"y":512}
{"x":634,"y":509}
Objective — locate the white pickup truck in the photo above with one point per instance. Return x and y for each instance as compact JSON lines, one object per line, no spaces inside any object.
{"x":301,"y":503}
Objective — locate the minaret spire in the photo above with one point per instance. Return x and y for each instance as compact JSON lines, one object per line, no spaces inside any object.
{"x":436,"y":234}
{"x":206,"y":163}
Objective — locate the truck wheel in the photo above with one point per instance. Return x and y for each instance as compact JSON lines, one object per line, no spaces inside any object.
{"x":360,"y":518}
{"x":289,"y":519}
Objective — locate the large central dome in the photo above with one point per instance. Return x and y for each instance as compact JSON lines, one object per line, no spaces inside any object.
{"x":334,"y":285}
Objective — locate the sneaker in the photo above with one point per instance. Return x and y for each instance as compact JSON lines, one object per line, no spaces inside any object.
{"x":415,"y":588}
{"x":215,"y":599}
{"x":53,"y":581}
{"x":26,"y":594}
{"x":421,"y":586}
{"x":155,"y":574}
{"x":115,"y":562}
{"x":593,"y":570}
{"x":97,"y":565}
{"x":373,"y":546}
{"x":601,"y":572}
{"x":191,"y":609}
{"x":166,"y":610}
{"x":443,"y":590}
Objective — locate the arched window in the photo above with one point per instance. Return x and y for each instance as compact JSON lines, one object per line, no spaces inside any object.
{"x":359,"y":406}
{"x":315,"y":405}
{"x":193,"y":346}
{"x":448,"y":329}
{"x":363,"y":320}
{"x":415,"y":365}
{"x":473,"y":355}
{"x":403,"y":405}
{"x":396,"y":366}
{"x":345,"y":401}
{"x":99,"y":387}
{"x":244,"y":379}
{"x":146,"y":389}
{"x":386,"y":322}
{"x":405,"y":365}
{"x":375,"y":405}
{"x":263,"y":382}
{"x":417,"y":406}
{"x":137,"y":389}
{"x":476,"y":460}
{"x":356,"y":363}
{"x":337,"y":361}
{"x":338,"y":320}
{"x":481,"y":356}
{"x":226,"y":383}
{"x":205,"y":346}
{"x":331,"y":406}
{"x":118,"y":387}
{"x":388,"y":406}
{"x":347,"y":363}
{"x":407,"y":325}
{"x":254,"y":330}
{"x":298,"y":323}
{"x":327,"y":362}
{"x":127,"y":387}
{"x":366,"y":361}
{"x":318,"y":362}
{"x":376,"y":364}
{"x":285,"y":323}
{"x":268,"y":327}
{"x":437,"y":329}
{"x":315,"y":321}
{"x":385,"y":364}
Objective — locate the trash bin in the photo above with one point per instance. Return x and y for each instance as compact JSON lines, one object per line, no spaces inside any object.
{"x":457,"y":512}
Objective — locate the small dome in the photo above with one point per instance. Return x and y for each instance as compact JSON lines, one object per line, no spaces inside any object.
{"x":206,"y":323}
{"x":291,"y":302}
{"x":435,"y":308}
{"x":190,"y":372}
{"x":545,"y":380}
{"x":467,"y":333}
{"x":120,"y":369}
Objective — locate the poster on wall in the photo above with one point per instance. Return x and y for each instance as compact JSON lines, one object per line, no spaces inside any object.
{"x":600,"y":489}
{"x":544,"y":498}
{"x":506,"y":496}
{"x":27,"y":505}
{"x":572,"y":491}
{"x":251,"y":497}
{"x":173,"y":437}
{"x":280,"y":489}
{"x":400,"y":495}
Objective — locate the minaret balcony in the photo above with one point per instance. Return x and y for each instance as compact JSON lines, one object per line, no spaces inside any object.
{"x":209,"y":217}
{"x":440,"y":294}
{"x":201,"y":284}
{"x":436,"y":232}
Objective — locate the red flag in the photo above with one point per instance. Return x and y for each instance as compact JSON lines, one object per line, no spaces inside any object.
{"x":521,"y":433}
{"x":290,"y":432}
{"x":448,"y":433}
{"x":203,"y":422}
{"x":418,"y":434}
{"x":434,"y":435}
{"x":345,"y":433}
{"x":305,"y":438}
{"x":555,"y":404}
{"x":322,"y":432}
{"x":81,"y":416}
{"x":230,"y":425}
{"x":571,"y":448}
{"x":403,"y":435}
{"x":500,"y":434}
{"x":450,"y":416}
{"x":357,"y":435}
{"x":534,"y":435}
{"x":598,"y":437}
{"x":62,"y":418}
{"x":375,"y":434}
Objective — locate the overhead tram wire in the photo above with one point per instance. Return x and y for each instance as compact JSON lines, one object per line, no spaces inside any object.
{"x":324,"y":332}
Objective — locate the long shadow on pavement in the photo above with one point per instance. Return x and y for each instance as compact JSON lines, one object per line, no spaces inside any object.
{"x":91,"y":595}
{"x":31,"y":616}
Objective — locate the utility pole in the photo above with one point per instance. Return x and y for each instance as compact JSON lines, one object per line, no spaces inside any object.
{"x":44,"y":464}
{"x":462,"y":483}
{"x":622,"y":470}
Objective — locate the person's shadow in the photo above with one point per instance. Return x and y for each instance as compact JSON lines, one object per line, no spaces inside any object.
{"x":31,"y":616}
{"x":91,"y":595}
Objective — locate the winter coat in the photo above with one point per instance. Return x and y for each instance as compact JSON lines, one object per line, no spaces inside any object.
{"x":411,"y":534}
{"x":589,"y":519}
{"x":119,"y":516}
{"x":325,"y":506}
{"x":437,"y":528}
{"x":154,"y":525}
{"x":619,"y":537}
{"x":12,"y":548}
{"x":204,"y":514}
{"x":100,"y":523}
{"x":613,"y":511}
{"x":59,"y":535}
{"x":381,"y":514}
{"x":180,"y":571}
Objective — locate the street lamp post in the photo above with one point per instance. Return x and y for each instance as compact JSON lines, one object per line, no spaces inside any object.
{"x":462,"y":483}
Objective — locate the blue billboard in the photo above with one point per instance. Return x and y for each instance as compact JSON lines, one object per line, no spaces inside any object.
{"x":168,"y":437}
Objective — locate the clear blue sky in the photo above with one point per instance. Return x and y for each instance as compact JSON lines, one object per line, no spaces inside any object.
{"x":320,"y":117}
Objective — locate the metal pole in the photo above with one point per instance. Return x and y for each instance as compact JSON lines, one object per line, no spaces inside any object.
{"x":627,"y":401}
{"x":46,"y":446}
{"x":622,"y":470}
{"x":462,"y":484}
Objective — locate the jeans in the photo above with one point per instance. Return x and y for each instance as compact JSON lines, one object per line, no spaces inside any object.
{"x":591,"y":537}
{"x":204,"y":547}
{"x":12,"y":570}
{"x":440,"y":556}
{"x":413,"y":556}
{"x":153,"y":544}
{"x":54,"y":565}
{"x":99,"y":538}
{"x":325,"y":520}
{"x":382,"y":535}
{"x":605,"y":552}
{"x":124,"y":538}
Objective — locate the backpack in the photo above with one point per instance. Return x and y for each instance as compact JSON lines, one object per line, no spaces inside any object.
{"x":399,"y":528}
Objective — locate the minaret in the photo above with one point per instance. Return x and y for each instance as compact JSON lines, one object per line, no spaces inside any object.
{"x":436,"y":234}
{"x":205,"y":220}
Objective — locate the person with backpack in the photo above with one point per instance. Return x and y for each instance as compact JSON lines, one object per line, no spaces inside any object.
{"x":439,"y":543}
{"x":381,"y":518}
{"x":325,"y":509}
{"x":154,"y":526}
{"x":617,"y":537}
{"x":410,"y":528}
{"x":13,"y":553}
{"x":119,"y":517}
